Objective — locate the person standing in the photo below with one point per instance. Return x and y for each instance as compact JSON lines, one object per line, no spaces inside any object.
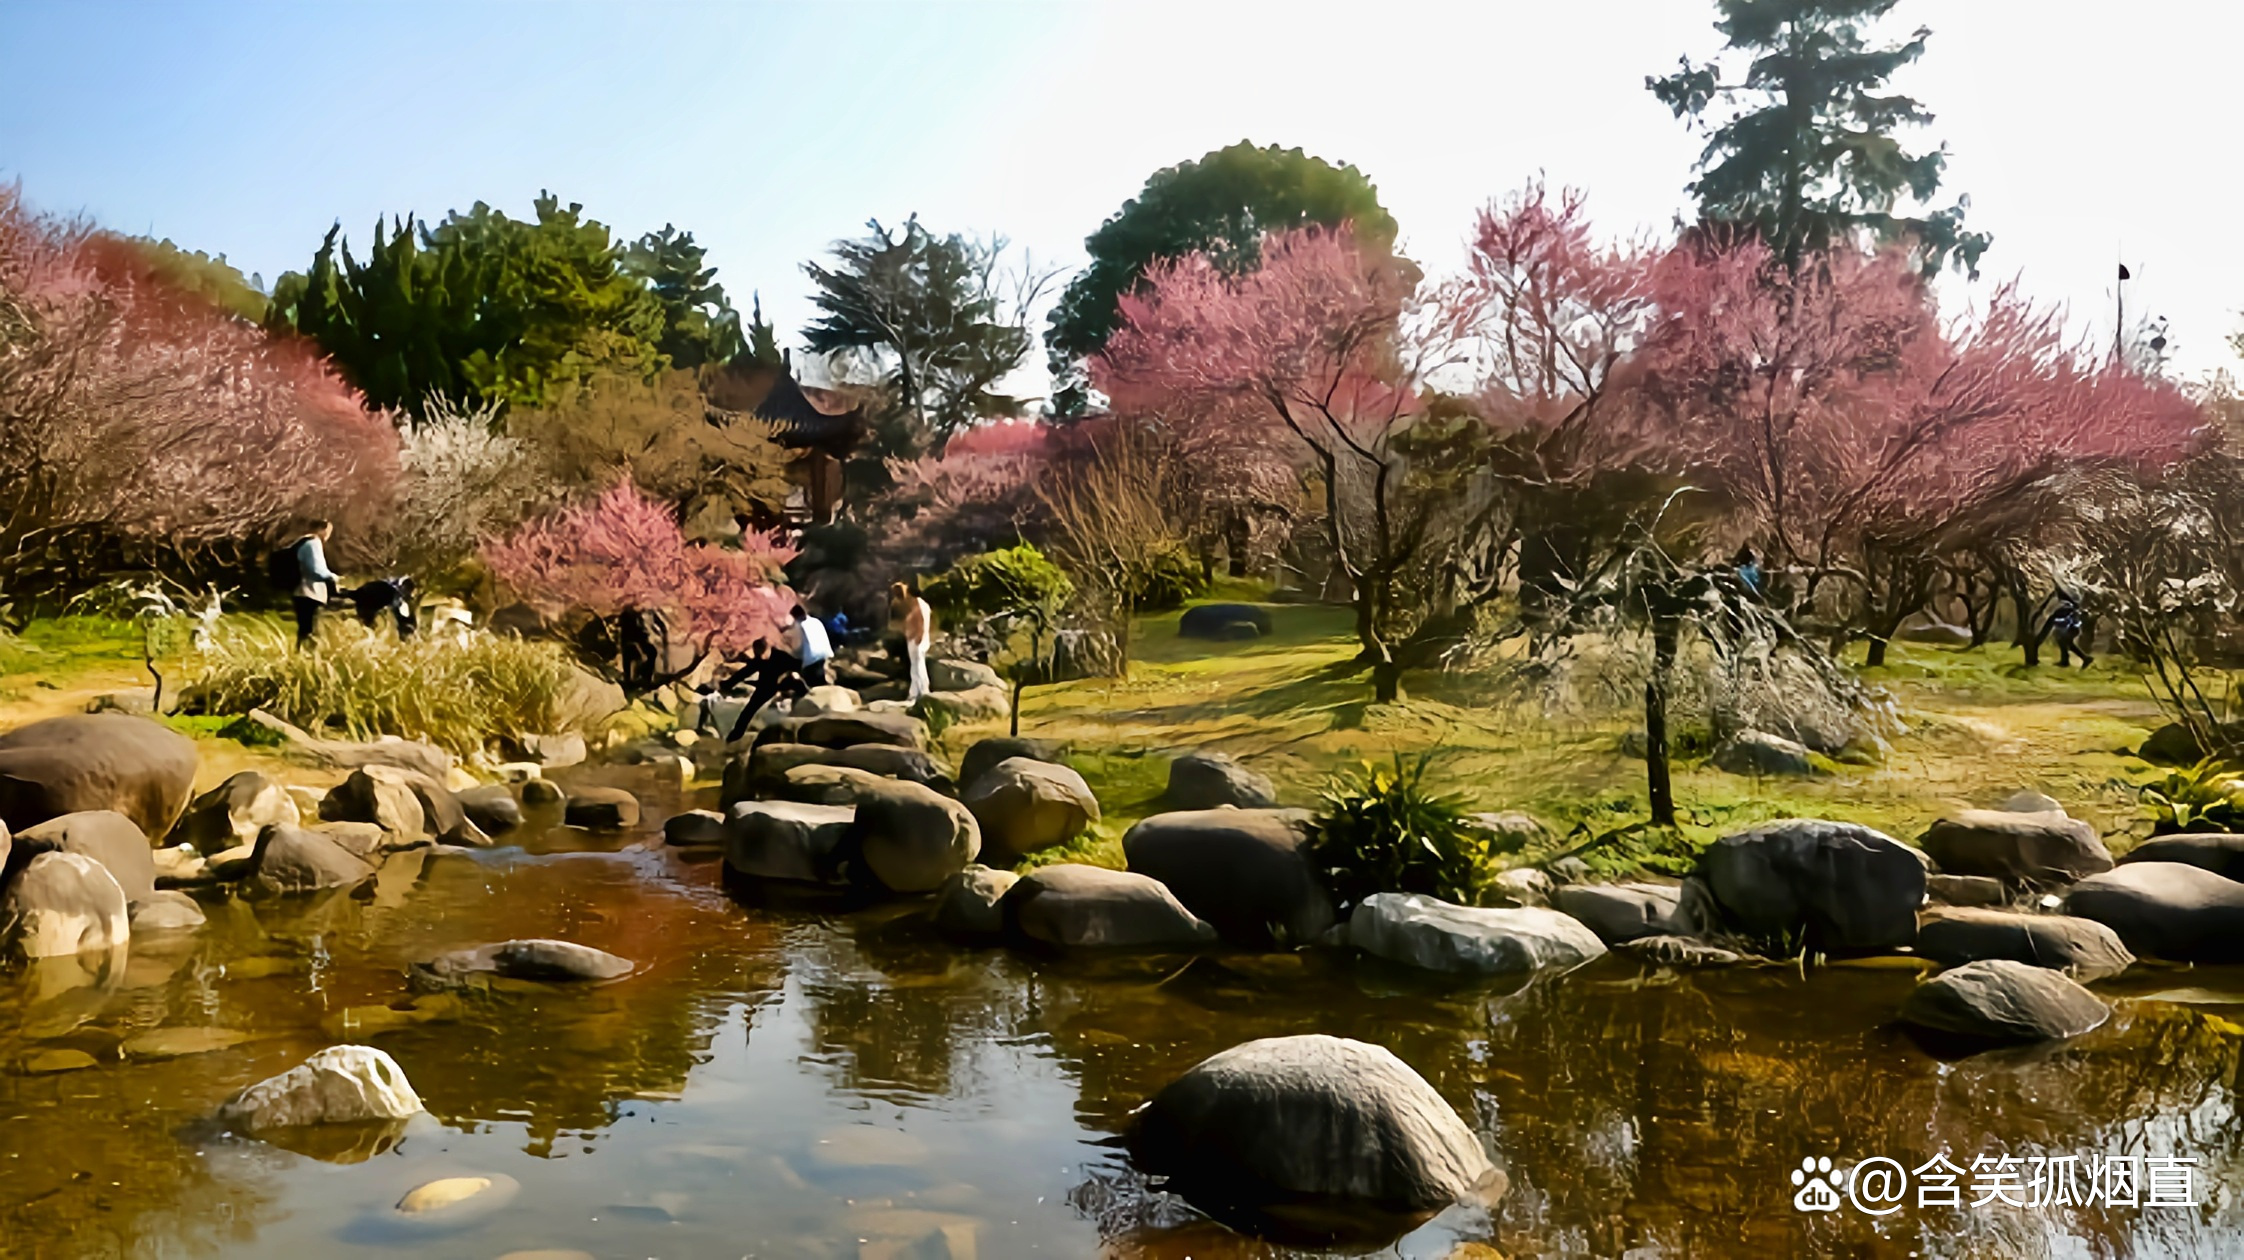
{"x":315,"y":582}
{"x":919,"y":632}
{"x":813,"y":648}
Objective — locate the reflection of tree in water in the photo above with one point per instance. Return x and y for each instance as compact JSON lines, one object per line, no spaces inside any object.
{"x":1644,"y":1109}
{"x":894,"y":1011}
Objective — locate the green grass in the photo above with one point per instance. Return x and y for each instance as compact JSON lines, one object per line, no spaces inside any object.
{"x":58,"y":647}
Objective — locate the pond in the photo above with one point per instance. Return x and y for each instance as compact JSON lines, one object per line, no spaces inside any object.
{"x":797,"y":1081}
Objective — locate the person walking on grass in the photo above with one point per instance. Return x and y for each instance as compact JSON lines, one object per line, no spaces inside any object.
{"x":315,"y":582}
{"x":2065,"y":624}
{"x":919,"y":631}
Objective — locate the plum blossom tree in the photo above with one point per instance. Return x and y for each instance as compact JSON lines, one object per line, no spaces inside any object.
{"x":622,"y":552}
{"x":1860,"y":435}
{"x":142,"y":425}
{"x":1312,"y":347}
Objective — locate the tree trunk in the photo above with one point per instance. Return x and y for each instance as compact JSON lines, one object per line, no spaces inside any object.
{"x":2023,"y":600}
{"x":1657,"y":784}
{"x":1386,"y":682}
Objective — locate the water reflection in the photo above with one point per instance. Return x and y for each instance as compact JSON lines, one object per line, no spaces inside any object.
{"x":788,"y":1081}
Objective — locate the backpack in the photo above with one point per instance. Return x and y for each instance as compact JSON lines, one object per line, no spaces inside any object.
{"x":282,"y":572}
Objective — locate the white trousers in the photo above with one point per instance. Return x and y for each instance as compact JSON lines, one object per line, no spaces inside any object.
{"x":917,"y":654}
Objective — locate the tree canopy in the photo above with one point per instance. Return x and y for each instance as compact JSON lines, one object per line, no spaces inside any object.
{"x":933,"y":317}
{"x":482,"y":307}
{"x":698,"y":325}
{"x":1220,"y":206}
{"x":1802,"y":147}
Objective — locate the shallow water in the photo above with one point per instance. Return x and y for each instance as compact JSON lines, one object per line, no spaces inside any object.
{"x":783,"y":1081}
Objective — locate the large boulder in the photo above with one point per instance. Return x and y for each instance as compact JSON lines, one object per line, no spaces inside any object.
{"x":2082,"y":948}
{"x":339,"y":1085}
{"x":231,"y":814}
{"x":1312,"y":1136}
{"x":2040,"y":849}
{"x":787,"y":840}
{"x":602,"y":809}
{"x":293,"y":860}
{"x":2169,"y":910}
{"x":2003,"y":1001}
{"x":986,"y":753}
{"x":749,"y":773}
{"x":1224,"y":622}
{"x":550,"y":752}
{"x":2219,"y":853}
{"x":104,"y":835}
{"x":1244,"y":870}
{"x":847,"y":730}
{"x":968,"y":903}
{"x":535,"y":959}
{"x":826,"y":785}
{"x":957,"y":675}
{"x":1091,"y":907}
{"x":62,"y":904}
{"x":1211,"y":780}
{"x":1619,"y":913}
{"x":1760,"y":753}
{"x":1844,"y":886}
{"x":695,"y":827}
{"x":391,"y":798}
{"x":1437,"y":936}
{"x":981,"y":704}
{"x":911,"y":838}
{"x":2176,"y":745}
{"x":87,"y":761}
{"x":1027,"y":806}
{"x":585,"y":701}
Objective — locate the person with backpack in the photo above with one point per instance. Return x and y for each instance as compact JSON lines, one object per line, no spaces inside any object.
{"x":302,"y":567}
{"x":2066,"y":623}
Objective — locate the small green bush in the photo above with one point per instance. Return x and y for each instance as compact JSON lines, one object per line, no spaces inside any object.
{"x":457,"y":695}
{"x":2206,"y":796}
{"x":1010,"y":580}
{"x":1174,"y":577}
{"x":1383,"y":830}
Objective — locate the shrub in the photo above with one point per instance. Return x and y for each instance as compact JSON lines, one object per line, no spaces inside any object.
{"x":1173,"y":576}
{"x":1383,"y":830}
{"x":1010,"y":580}
{"x":458,"y":695}
{"x":2206,"y":796}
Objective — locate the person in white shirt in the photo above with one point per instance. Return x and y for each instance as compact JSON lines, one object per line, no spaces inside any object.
{"x":315,"y":582}
{"x":812,"y":648}
{"x":919,"y":631}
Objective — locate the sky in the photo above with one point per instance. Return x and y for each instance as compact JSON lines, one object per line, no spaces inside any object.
{"x":2086,"y":133}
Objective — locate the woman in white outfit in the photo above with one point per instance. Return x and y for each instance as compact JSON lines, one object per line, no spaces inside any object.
{"x":919,"y":631}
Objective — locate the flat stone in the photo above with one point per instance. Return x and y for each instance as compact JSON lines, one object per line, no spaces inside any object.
{"x":164,"y":911}
{"x":2001,"y":1000}
{"x":2170,"y":910}
{"x":2082,"y":948}
{"x":1438,"y":936}
{"x":1966,"y":890}
{"x":174,"y":1043}
{"x":41,"y":1062}
{"x":1622,"y":912}
{"x":1090,"y":907}
{"x":2034,"y":849}
{"x":2219,"y":853}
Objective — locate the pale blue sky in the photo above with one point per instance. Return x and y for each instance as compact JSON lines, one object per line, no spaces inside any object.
{"x":2079,"y":127}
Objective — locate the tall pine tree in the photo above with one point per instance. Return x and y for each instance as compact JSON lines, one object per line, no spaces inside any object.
{"x":1802,"y":145}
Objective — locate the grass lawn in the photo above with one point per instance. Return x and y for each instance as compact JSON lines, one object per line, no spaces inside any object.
{"x":1978,"y":726}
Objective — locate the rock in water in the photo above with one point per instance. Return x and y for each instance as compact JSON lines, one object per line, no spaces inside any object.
{"x":1027,"y":806}
{"x":292,"y":860}
{"x":1242,"y":870}
{"x":967,"y":904}
{"x":538,"y":959}
{"x":912,"y":838}
{"x":375,"y":794}
{"x":1619,"y":913}
{"x":1316,"y":1138}
{"x":1965,"y":890}
{"x":232,"y":813}
{"x":104,"y":835}
{"x":694,"y":827}
{"x":492,"y":808}
{"x":986,"y":753}
{"x":63,"y":904}
{"x":165,"y":912}
{"x":1424,"y":932}
{"x":2169,"y":910}
{"x":1845,"y":887}
{"x":2082,"y":948}
{"x":338,"y":1085}
{"x":787,"y":840}
{"x":1091,"y":907}
{"x":2004,"y":1001}
{"x":603,"y":809}
{"x":2219,"y":853}
{"x":542,"y":792}
{"x":87,"y":761}
{"x":827,"y":785}
{"x":1211,"y":780}
{"x":2040,"y":849}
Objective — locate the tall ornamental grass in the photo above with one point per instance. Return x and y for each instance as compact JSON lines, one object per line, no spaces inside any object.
{"x":458,"y":694}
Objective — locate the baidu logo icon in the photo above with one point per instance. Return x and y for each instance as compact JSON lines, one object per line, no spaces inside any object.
{"x":1816,"y":1180}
